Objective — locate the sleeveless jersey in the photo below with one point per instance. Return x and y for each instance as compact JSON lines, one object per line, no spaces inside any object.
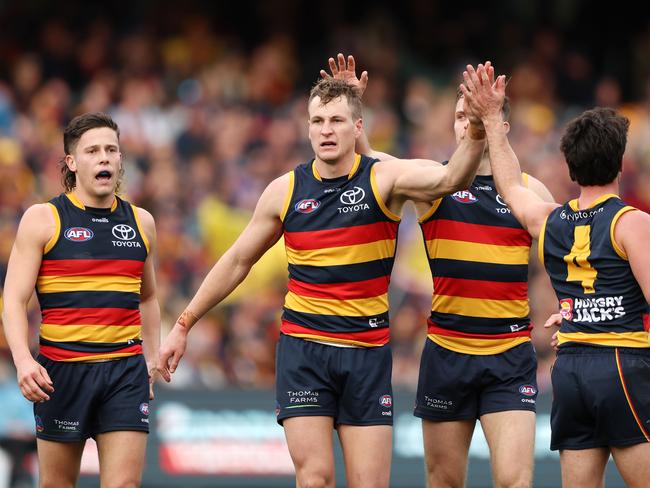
{"x":88,"y":285}
{"x":340,"y":241}
{"x":478,"y":256}
{"x":600,"y":300}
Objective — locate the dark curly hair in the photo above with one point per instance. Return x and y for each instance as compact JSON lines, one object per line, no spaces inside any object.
{"x":593,"y":145}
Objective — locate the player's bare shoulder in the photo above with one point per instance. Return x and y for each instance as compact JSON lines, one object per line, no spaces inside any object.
{"x":276,"y":195}
{"x":39,"y":223}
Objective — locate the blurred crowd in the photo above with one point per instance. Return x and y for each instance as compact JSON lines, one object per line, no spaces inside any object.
{"x":207,"y":122}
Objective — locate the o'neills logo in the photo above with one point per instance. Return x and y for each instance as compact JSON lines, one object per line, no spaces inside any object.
{"x":307,"y":205}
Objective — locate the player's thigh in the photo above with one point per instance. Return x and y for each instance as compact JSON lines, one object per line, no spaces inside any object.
{"x":59,"y":462}
{"x":511,"y":439}
{"x":583,"y":468}
{"x":446,"y":447}
{"x":121,"y":458}
{"x":633,"y":464}
{"x":367,"y":452}
{"x":310,"y":442}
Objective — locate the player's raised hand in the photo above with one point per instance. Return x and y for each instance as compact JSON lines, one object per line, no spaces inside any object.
{"x":483,"y":93}
{"x":346,"y":70}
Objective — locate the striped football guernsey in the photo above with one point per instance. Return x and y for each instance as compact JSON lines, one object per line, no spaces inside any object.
{"x":478,"y":255}
{"x":600,"y":300}
{"x":88,"y":285}
{"x":340,"y":240}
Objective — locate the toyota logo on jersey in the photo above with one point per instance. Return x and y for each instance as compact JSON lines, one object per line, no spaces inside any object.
{"x":352,"y":197}
{"x":78,"y":234}
{"x":123,"y":232}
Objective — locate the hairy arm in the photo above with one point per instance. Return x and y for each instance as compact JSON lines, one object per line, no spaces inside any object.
{"x":35,"y":229}
{"x":264,"y":230}
{"x":149,"y":306}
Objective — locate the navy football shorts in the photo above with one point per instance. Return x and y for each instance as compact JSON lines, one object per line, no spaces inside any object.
{"x":352,"y":385}
{"x":91,"y":398}
{"x":601,"y":397}
{"x":458,"y":386}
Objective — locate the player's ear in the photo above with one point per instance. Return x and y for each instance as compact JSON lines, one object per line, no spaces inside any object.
{"x":506,"y":124}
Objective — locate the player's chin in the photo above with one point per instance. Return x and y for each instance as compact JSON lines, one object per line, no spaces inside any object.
{"x":328,"y":156}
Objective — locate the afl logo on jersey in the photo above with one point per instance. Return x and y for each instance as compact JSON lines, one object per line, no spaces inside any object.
{"x":464,"y":196}
{"x":306,"y":206}
{"x":78,"y":234}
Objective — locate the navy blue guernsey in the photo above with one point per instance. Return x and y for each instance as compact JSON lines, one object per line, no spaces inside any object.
{"x":478,"y":256}
{"x":340,"y":241}
{"x":600,"y":300}
{"x":89,"y":282}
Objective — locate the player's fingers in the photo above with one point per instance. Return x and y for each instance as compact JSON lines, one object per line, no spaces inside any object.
{"x":176,"y":358}
{"x":466,"y":93}
{"x":324,"y":74}
{"x":46,"y":377}
{"x":490,"y":73}
{"x":151,"y":395}
{"x":44,"y":381}
{"x":351,"y":64}
{"x":341,"y":60}
{"x":34,"y":391}
{"x":469,"y":84}
{"x":363,"y":81}
{"x":333,"y":67}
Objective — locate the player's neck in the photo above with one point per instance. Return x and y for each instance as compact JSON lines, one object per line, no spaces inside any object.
{"x":335,"y":169}
{"x":94,"y":201}
{"x":588,"y":194}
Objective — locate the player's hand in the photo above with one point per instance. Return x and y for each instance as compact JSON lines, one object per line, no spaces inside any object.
{"x":346,"y":71}
{"x":34,"y":382}
{"x":484,"y":96}
{"x":171,"y":351}
{"x":554,"y":320}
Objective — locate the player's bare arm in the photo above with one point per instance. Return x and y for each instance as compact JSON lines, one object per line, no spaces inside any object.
{"x":35,"y":230}
{"x":526,"y":205}
{"x":264,"y":230}
{"x":149,"y":306}
{"x":632,"y":234}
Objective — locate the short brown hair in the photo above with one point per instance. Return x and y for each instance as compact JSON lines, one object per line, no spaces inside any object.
{"x":593,"y":145}
{"x":71,"y":135}
{"x":328,"y":89}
